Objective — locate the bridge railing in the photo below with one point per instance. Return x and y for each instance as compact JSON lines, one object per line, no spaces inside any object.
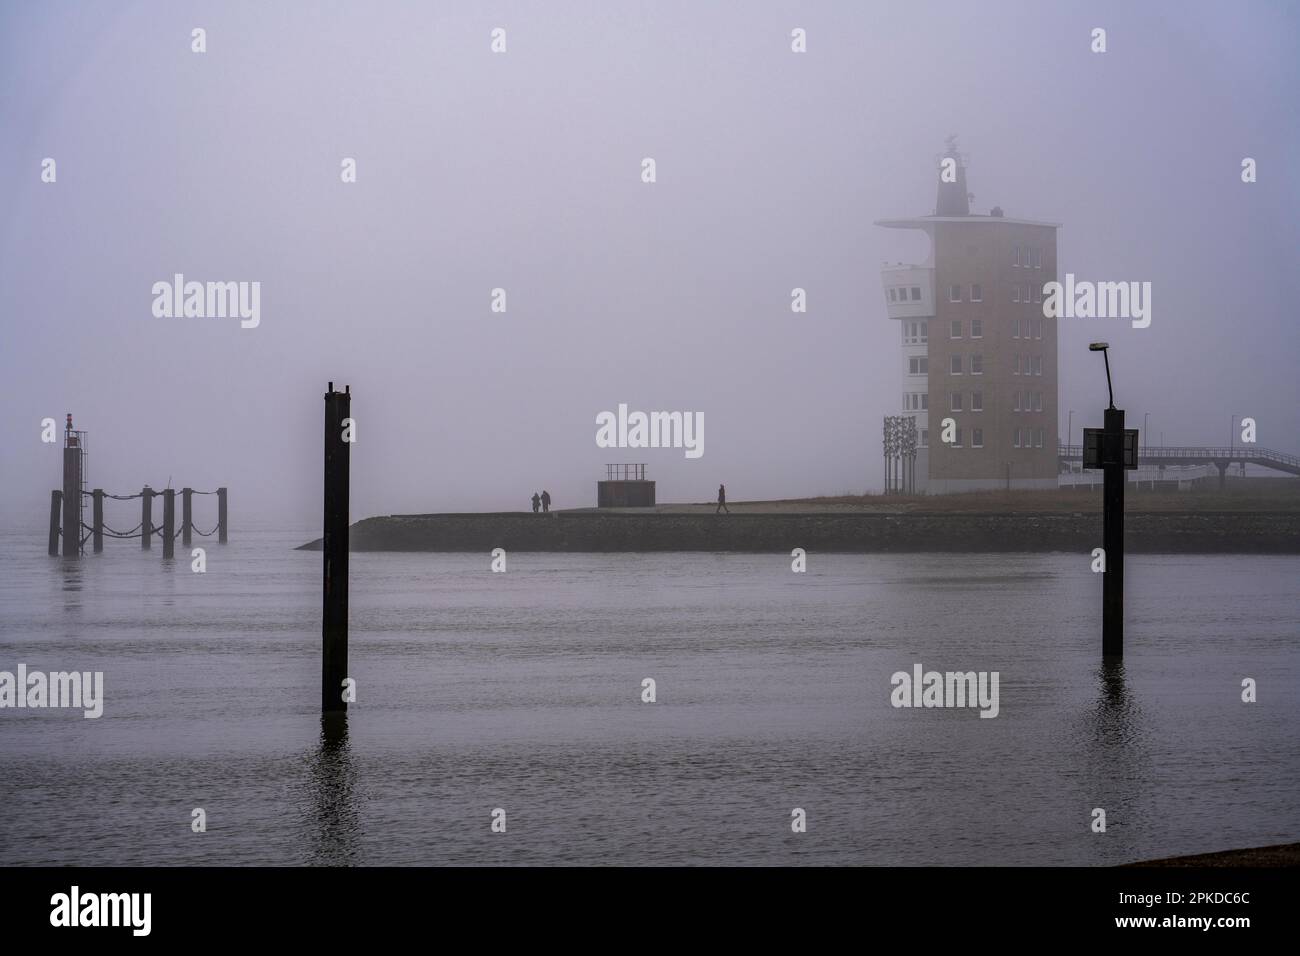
{"x":1198,"y":452}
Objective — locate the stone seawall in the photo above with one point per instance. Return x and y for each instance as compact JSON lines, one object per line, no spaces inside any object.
{"x":1149,"y":532}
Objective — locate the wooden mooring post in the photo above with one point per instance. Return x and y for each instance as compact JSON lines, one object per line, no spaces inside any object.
{"x":169,"y":523}
{"x":187,"y":516}
{"x":146,"y":518}
{"x":98,"y":521}
{"x":334,"y":619}
{"x":221,"y":515}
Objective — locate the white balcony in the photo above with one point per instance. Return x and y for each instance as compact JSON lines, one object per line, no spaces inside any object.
{"x":908,"y":290}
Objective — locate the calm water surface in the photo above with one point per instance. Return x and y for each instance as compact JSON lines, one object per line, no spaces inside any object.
{"x":522,"y":691}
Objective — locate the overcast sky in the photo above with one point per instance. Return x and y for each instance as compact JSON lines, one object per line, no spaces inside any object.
{"x":522,"y":170}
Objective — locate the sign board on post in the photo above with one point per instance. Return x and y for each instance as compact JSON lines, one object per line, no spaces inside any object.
{"x":1092,"y":447}
{"x":1096,"y":454}
{"x":1130,"y":449}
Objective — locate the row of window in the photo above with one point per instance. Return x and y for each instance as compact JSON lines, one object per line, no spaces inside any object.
{"x":1020,"y":438}
{"x":915,"y":333}
{"x":955,"y":401}
{"x":1027,"y":258}
{"x":1033,"y":329}
{"x":957,"y":364}
{"x":1019,"y":293}
{"x":1026,"y":293}
{"x":1031,"y":364}
{"x":1021,"y":401}
{"x":899,"y":293}
{"x":1027,"y":402}
{"x":918,"y":333}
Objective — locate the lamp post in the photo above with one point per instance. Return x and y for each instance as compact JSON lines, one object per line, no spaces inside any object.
{"x":1069,"y":434}
{"x":1145,"y":416}
{"x":1112,"y":464}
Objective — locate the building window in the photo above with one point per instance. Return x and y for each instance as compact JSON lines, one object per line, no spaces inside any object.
{"x":955,"y":366}
{"x":977,"y":401}
{"x":954,"y":401}
{"x":1016,"y":406}
{"x":891,"y":295}
{"x":1015,"y":439}
{"x":925,"y":331}
{"x":1015,"y":368}
{"x":1037,"y":326}
{"x":916,"y":293}
{"x":1015,"y":292}
{"x":977,"y":438}
{"x":1038,"y":258}
{"x":1015,"y":256}
{"x":977,"y":293}
{"x":1038,"y":438}
{"x":977,"y":328}
{"x":956,"y":329}
{"x":914,"y":333}
{"x":1038,"y":401}
{"x":1029,"y":293}
{"x":1038,"y":293}
{"x":977,"y":364}
{"x":918,"y":365}
{"x":954,"y":293}
{"x":1015,"y":328}
{"x":1038,"y":365}
{"x":925,"y":401}
{"x":925,"y":438}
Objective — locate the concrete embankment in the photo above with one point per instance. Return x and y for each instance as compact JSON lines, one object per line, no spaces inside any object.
{"x":1150,"y":532}
{"x":1280,"y":854}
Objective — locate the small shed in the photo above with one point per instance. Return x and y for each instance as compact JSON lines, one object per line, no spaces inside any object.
{"x":625,"y":486}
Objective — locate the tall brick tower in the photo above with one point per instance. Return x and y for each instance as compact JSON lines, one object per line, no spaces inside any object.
{"x":976,"y":346}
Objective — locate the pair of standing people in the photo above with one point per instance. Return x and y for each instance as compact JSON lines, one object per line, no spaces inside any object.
{"x":544,"y":500}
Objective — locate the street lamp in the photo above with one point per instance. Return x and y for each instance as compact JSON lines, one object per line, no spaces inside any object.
{"x":1102,"y":347}
{"x":1145,"y":444}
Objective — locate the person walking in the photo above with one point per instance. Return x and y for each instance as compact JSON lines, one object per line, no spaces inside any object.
{"x":722,"y":500}
{"x":546,"y":501}
{"x":537,"y":502}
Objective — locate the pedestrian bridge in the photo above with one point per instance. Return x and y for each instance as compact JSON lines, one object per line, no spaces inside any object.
{"x":1192,"y":455}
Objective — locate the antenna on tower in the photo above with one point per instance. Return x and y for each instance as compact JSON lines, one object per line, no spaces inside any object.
{"x":950,"y":151}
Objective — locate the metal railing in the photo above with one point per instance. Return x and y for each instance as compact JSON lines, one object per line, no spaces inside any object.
{"x":1193,"y":453}
{"x":629,"y":472}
